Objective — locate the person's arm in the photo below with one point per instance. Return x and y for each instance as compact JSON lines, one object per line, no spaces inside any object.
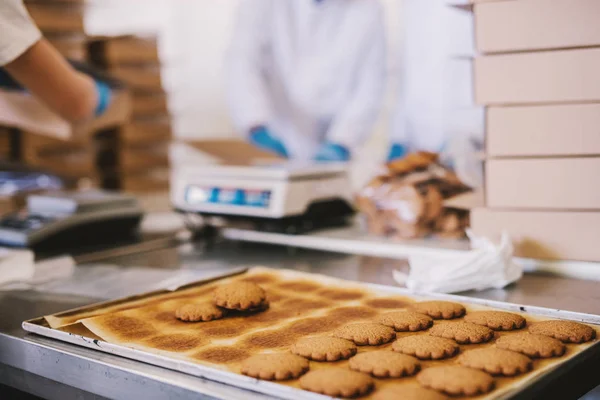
{"x":355,"y":120}
{"x":45,"y":73}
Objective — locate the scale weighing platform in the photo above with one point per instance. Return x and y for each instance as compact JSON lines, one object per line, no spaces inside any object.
{"x":288,"y":198}
{"x":70,"y":219}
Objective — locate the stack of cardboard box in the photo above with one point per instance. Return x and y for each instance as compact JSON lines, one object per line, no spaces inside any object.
{"x":539,"y":76}
{"x":61,"y":22}
{"x":138,"y":153}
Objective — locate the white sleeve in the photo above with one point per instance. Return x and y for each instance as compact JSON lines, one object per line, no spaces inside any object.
{"x":17,"y":31}
{"x":354,"y":122}
{"x":247,"y":93}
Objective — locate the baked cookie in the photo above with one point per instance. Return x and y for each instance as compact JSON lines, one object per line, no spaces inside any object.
{"x":462,"y":332}
{"x":324,"y":348}
{"x":535,"y":346}
{"x":439,"y":309}
{"x":496,"y":320}
{"x":384,"y":364}
{"x":240,"y":296}
{"x":275,"y":366}
{"x":366,"y":333}
{"x":407,"y":392}
{"x":337,"y":382}
{"x":565,"y":331}
{"x":496,"y":361}
{"x":406,"y":321}
{"x":456,"y":380}
{"x":426,"y":347}
{"x":199,"y":312}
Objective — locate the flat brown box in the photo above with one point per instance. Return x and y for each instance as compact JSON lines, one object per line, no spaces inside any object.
{"x":23,"y":111}
{"x":139,"y":77}
{"x":122,"y":50}
{"x":57,"y":17}
{"x":72,"y":47}
{"x":543,"y":234}
{"x":66,"y":158}
{"x":539,"y":77}
{"x":536,"y":25}
{"x":154,"y":180}
{"x":142,"y":158}
{"x":5,"y":143}
{"x":146,"y":130}
{"x":553,"y":130}
{"x":543,"y":184}
{"x":149,"y":104}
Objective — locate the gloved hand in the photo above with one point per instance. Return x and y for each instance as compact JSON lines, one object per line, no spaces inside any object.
{"x":332,"y":152}
{"x":104,"y":97}
{"x":261,"y":137}
{"x":397,"y":151}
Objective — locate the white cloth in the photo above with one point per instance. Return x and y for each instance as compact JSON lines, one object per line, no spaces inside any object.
{"x":17,"y":30}
{"x":311,"y":71}
{"x":436,"y":76}
{"x":486,"y":266}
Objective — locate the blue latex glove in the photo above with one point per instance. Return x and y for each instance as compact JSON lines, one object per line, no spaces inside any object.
{"x":397,"y":151}
{"x":261,"y":137}
{"x":332,"y":152}
{"x":104,"y":97}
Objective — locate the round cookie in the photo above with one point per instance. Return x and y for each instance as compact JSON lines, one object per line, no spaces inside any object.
{"x":275,"y":366}
{"x":239,"y":296}
{"x":496,"y":320}
{"x":384,"y":364}
{"x":364,"y":334}
{"x":337,"y":382}
{"x":565,"y":331}
{"x":406,"y":321}
{"x":199,"y":312}
{"x":496,"y":361}
{"x":463,"y":332}
{"x":456,"y":380}
{"x":439,"y":309}
{"x":407,"y":392}
{"x":324,"y":348}
{"x":426,"y":347}
{"x":535,"y":346}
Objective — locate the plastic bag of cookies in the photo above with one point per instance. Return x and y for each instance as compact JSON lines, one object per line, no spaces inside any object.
{"x":407,"y":200}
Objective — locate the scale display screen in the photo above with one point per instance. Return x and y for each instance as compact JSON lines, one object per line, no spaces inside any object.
{"x":197,"y":195}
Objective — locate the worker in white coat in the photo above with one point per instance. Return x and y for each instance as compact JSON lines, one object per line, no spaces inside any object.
{"x":435,"y":102}
{"x":306,"y":77}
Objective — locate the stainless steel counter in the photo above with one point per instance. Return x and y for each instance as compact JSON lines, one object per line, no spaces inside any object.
{"x":56,"y":370}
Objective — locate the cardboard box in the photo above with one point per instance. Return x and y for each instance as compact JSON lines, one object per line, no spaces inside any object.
{"x":543,"y":235}
{"x":123,"y":50}
{"x":146,"y":130}
{"x":57,"y":17}
{"x":544,"y":183}
{"x":23,"y":111}
{"x":143,"y":158}
{"x":536,"y":25}
{"x":556,"y":130}
{"x":149,"y":104}
{"x":62,"y":157}
{"x":144,"y":77}
{"x":72,"y":47}
{"x":540,"y":77}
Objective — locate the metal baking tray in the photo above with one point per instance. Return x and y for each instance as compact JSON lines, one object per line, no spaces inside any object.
{"x":536,"y":386}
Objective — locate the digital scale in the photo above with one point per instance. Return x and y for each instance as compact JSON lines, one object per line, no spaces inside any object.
{"x":286,"y":198}
{"x":71,"y":218}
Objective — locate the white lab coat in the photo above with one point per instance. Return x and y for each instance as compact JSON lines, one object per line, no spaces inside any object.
{"x":311,"y":71}
{"x":435,"y":99}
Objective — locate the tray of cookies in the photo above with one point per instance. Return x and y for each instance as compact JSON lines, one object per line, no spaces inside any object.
{"x":298,"y":335}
